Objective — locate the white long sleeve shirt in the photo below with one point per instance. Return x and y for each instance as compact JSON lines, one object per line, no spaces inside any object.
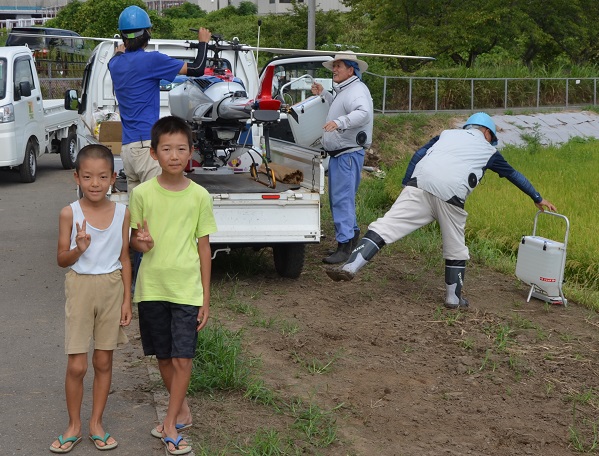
{"x":352,"y":111}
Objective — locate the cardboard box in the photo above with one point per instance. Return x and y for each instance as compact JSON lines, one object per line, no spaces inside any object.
{"x":111,"y":135}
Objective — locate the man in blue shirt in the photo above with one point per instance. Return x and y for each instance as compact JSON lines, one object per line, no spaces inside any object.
{"x":136,"y":76}
{"x":438,"y":180}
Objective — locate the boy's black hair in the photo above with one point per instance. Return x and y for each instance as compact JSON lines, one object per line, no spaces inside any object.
{"x":94,"y":151}
{"x":139,"y":42}
{"x":167,"y":126}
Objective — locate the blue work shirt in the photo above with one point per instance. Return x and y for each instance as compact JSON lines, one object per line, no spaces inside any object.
{"x":136,"y":79}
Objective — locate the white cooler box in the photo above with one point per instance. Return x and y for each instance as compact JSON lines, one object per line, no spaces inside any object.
{"x":307,"y":118}
{"x":541,"y":264}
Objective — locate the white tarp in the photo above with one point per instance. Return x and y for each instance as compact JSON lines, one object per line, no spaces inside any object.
{"x":548,"y":128}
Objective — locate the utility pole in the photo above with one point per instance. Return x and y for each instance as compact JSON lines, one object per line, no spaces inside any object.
{"x":311,"y":24}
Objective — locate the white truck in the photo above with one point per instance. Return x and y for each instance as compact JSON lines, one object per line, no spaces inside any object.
{"x":248,"y":211}
{"x":30,"y":126}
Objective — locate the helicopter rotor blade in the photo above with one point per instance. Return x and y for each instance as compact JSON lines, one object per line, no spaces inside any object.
{"x":333,"y":53}
{"x":241,"y":47}
{"x":69,"y":37}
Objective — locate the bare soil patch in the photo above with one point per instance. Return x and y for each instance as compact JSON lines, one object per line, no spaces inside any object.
{"x":405,"y":376}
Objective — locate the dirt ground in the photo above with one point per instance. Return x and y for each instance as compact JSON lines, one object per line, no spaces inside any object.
{"x":403,"y":376}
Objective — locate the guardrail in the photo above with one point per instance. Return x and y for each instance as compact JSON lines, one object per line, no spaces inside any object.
{"x":400,"y":94}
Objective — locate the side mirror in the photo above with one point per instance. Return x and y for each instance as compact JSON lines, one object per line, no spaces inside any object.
{"x":71,"y":100}
{"x":23,"y":89}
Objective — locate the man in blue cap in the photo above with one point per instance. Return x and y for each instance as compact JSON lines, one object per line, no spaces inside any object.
{"x":438,"y":180}
{"x":136,"y":76}
{"x":347,"y":133}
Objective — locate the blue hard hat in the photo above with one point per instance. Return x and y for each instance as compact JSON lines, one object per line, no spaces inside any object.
{"x":134,"y":18}
{"x":484,"y":120}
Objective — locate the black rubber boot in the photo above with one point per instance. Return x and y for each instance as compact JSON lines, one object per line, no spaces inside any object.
{"x":341,"y":255}
{"x":353,"y":243}
{"x":367,"y":248}
{"x":454,"y":281}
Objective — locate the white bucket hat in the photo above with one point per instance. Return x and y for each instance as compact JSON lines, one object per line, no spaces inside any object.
{"x":346,"y":55}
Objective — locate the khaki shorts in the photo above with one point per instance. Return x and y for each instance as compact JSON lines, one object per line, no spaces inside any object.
{"x":93,"y":310}
{"x":138,"y":164}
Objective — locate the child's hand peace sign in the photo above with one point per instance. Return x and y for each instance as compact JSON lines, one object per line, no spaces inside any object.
{"x":82,"y":238}
{"x":144,"y":237}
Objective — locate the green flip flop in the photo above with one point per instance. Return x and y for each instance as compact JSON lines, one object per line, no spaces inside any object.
{"x":106,"y":446}
{"x":74,"y":441}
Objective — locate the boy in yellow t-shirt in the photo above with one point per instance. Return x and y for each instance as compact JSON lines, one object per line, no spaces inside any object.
{"x":171,"y":219}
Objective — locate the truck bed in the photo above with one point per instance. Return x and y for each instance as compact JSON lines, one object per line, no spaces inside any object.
{"x":237,"y":183}
{"x":57,"y":117}
{"x":227,"y":183}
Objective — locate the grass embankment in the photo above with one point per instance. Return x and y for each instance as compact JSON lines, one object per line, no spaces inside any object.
{"x":500,"y":213}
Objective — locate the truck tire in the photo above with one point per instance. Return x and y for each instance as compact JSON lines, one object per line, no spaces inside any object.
{"x":289,"y":259}
{"x":28,"y":168}
{"x":68,"y":151}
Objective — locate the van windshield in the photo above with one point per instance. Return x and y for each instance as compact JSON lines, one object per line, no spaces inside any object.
{"x":2,"y":78}
{"x":34,"y":42}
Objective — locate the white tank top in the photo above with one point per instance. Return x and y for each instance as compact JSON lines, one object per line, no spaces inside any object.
{"x":102,"y":255}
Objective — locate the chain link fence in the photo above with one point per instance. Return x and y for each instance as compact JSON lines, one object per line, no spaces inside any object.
{"x":393,"y":94}
{"x":56,"y":77}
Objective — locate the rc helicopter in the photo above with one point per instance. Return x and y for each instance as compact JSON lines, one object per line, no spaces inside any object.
{"x":220,"y":110}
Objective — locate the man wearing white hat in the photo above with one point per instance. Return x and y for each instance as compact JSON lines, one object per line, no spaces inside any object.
{"x":347,"y":132}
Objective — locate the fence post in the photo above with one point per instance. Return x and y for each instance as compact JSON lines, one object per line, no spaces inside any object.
{"x":472,"y":94}
{"x":567,"y":87}
{"x":538,"y":91}
{"x":410,"y":96}
{"x":384,"y":92}
{"x":505,"y":95}
{"x":436,"y":94}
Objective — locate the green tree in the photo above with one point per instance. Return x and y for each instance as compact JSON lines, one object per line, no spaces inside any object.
{"x":247,"y":9}
{"x":460,"y":31}
{"x":66,"y":17}
{"x":97,"y":18}
{"x":185,"y":11}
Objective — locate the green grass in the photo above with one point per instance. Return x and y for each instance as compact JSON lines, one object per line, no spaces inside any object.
{"x":218,"y":364}
{"x":500,"y":214}
{"x":221,"y":364}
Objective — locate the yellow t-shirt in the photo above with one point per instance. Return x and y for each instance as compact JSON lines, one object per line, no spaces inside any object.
{"x":171,"y":270}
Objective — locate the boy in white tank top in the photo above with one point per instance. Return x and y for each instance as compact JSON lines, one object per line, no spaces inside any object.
{"x":93,"y":242}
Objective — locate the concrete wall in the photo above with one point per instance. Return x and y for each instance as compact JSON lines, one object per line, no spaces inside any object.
{"x":284,"y":6}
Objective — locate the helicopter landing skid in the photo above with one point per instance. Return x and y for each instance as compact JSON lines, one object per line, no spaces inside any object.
{"x":269,"y":173}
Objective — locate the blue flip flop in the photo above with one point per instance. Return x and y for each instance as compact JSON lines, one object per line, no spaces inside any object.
{"x":175,"y":443}
{"x":74,"y":441}
{"x":179,"y":427}
{"x":106,"y":446}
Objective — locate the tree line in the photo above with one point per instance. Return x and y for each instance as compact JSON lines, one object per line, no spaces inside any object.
{"x":535,"y":34}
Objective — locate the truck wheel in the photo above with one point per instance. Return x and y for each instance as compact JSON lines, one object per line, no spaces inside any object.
{"x":29,"y":167}
{"x":68,"y":151}
{"x":289,"y":259}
